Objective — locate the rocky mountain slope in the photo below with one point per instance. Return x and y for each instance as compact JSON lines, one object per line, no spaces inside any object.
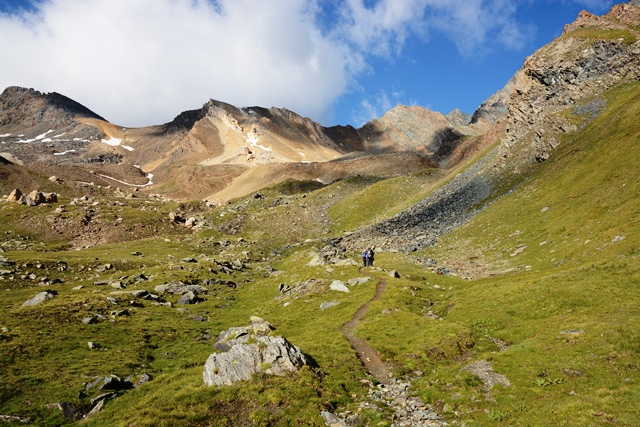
{"x":554,"y":94}
{"x":216,"y":144}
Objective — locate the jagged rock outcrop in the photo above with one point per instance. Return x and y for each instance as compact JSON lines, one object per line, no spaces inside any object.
{"x":250,"y":350}
{"x":570,"y":70}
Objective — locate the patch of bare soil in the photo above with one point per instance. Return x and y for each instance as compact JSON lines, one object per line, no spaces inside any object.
{"x":367,"y":354}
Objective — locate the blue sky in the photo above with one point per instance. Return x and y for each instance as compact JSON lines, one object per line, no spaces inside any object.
{"x":142,"y":62}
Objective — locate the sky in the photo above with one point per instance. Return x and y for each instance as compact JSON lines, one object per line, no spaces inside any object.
{"x":339,"y":62}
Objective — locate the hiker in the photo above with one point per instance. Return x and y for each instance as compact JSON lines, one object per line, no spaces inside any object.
{"x":370,"y":254}
{"x":364,"y":257}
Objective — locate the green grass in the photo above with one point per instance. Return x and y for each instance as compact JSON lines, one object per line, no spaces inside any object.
{"x":602,"y":34}
{"x":558,"y":318}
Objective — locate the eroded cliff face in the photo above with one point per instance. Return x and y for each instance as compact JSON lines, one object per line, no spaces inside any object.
{"x":593,"y":55}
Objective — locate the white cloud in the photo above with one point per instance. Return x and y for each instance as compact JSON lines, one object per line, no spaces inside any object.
{"x":372,"y":107}
{"x":142,"y":62}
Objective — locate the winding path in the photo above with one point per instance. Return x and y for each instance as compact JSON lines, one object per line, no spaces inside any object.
{"x":367,"y":354}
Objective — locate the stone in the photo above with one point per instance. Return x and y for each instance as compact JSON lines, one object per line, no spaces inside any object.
{"x":103,"y":396}
{"x":114,"y":382}
{"x":332,"y":420}
{"x":15,"y":196}
{"x":358,"y":281}
{"x":89,"y":320}
{"x":95,"y":409}
{"x":142,"y":379}
{"x":93,"y":346}
{"x":190,"y":297}
{"x":70,"y":411}
{"x":40,"y":298}
{"x":37,"y":197}
{"x":190,"y":222}
{"x":394,"y":273}
{"x":338,"y":285}
{"x":326,"y":305}
{"x":483,"y":370}
{"x":179,"y":288}
{"x":269,"y":355}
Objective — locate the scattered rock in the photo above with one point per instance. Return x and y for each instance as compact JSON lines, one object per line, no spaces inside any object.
{"x":93,"y":346}
{"x":332,"y":420}
{"x":394,"y":273}
{"x":483,"y":370}
{"x":190,"y":297}
{"x":338,"y":285}
{"x":70,"y":411}
{"x":15,"y":418}
{"x":39,"y":298}
{"x":326,"y":305}
{"x":89,"y":320}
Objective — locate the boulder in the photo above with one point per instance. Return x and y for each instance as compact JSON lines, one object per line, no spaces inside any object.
{"x":50,"y":198}
{"x":338,"y":285}
{"x":249,"y":350}
{"x":179,"y":288}
{"x":70,"y":411}
{"x":37,"y":197}
{"x":15,"y":196}
{"x":190,"y":297}
{"x":269,"y":355}
{"x":39,"y":298}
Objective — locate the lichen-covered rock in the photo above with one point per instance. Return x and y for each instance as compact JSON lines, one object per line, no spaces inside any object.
{"x":249,"y":350}
{"x":269,"y":355}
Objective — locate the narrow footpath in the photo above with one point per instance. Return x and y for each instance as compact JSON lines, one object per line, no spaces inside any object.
{"x":408,"y":410}
{"x":367,"y":354}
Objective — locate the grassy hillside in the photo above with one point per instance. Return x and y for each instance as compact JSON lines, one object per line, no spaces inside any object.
{"x":552,"y":308}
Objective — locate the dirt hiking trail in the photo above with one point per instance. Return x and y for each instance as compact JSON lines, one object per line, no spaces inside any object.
{"x":368,"y":355}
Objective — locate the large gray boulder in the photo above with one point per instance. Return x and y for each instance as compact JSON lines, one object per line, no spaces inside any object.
{"x":250,"y":350}
{"x":40,"y":298}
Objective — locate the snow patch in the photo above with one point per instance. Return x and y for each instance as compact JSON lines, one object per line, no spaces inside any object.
{"x":47,"y":140}
{"x":59,"y":135}
{"x":64,"y":152}
{"x":126,"y":147}
{"x":114,"y":142}
{"x":5,"y":135}
{"x":253,"y":138}
{"x":41,"y":136}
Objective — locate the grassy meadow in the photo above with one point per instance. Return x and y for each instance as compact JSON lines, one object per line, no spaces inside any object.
{"x":552,"y":303}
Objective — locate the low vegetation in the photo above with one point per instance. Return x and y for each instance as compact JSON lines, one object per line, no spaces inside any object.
{"x":537,"y":325}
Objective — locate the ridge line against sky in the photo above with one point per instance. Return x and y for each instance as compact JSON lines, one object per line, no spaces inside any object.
{"x":142,"y":62}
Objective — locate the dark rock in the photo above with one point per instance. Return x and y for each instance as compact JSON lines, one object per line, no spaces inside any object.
{"x":190,"y":297}
{"x":142,"y":379}
{"x":70,"y":411}
{"x":115,"y":383}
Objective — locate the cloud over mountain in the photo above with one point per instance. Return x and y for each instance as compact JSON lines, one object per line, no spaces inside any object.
{"x":137,"y":62}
